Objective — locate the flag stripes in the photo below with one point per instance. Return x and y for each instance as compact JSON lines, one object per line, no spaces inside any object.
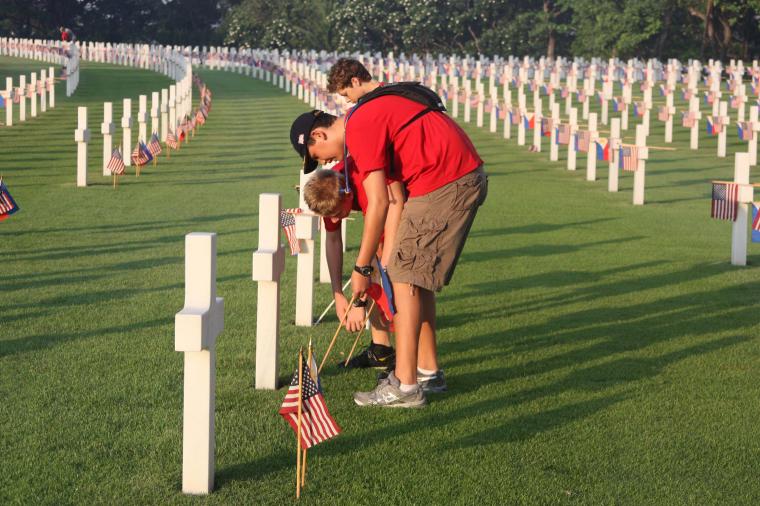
{"x":288,"y":223}
{"x":725,"y":201}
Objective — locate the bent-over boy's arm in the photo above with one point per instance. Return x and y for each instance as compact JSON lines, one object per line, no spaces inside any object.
{"x":374,"y":222}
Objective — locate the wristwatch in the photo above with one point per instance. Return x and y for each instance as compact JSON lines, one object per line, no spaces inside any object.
{"x":359,"y":303}
{"x":365,"y":270}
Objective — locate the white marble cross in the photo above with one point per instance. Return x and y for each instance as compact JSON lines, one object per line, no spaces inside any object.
{"x":593,"y":137}
{"x":43,"y":95}
{"x":268,"y":265}
{"x":639,"y":174}
{"x":107,"y":128}
{"x":696,"y":114}
{"x":196,"y":328}
{"x":164,"y":114}
{"x":82,"y":137}
{"x":306,"y":230}
{"x":572,"y":155}
{"x":126,"y":131}
{"x":8,"y":101}
{"x":33,"y":100}
{"x":22,"y":103}
{"x":723,"y":119}
{"x":614,"y":146}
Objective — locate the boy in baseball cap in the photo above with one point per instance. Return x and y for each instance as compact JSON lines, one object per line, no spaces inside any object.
{"x":393,"y":137}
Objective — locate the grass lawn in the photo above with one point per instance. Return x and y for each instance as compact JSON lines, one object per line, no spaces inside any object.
{"x":596,"y":352}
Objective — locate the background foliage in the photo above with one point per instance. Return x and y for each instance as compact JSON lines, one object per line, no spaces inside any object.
{"x":623,"y":28}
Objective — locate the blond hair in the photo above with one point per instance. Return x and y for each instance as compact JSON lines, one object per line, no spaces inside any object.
{"x":322,"y":192}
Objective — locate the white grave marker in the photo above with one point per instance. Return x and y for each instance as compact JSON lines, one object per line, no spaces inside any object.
{"x":107,"y":128}
{"x":126,"y":129}
{"x":196,"y":328}
{"x":81,"y":137}
{"x":8,"y":101}
{"x":268,"y":265}
{"x":306,"y":229}
{"x":614,"y":146}
{"x":639,"y":174}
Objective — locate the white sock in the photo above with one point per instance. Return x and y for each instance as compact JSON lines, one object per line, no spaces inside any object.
{"x":426,"y":372}
{"x":408,"y":388}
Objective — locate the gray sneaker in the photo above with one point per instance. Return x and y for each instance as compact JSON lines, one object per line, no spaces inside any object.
{"x":433,"y":384}
{"x":388,"y":394}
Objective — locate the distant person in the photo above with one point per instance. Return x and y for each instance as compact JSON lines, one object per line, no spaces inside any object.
{"x":67,"y":35}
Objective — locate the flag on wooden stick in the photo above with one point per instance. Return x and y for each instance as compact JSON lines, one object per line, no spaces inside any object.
{"x":154,"y":146}
{"x":171,"y":140}
{"x":317,"y":425}
{"x":725,"y":201}
{"x":141,"y":154}
{"x":116,"y":163}
{"x":8,"y":206}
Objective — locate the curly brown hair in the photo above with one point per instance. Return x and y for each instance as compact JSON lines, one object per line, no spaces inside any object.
{"x":343,"y":71}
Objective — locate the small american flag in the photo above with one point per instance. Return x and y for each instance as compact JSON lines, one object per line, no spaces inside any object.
{"x":663,"y":114}
{"x":514,"y":116}
{"x":745,"y":130}
{"x":317,"y":425}
{"x":154,"y":145}
{"x":200,"y":118}
{"x":17,"y":96}
{"x":628,"y":158}
{"x":116,"y":163}
{"x":171,"y":140}
{"x":288,"y":223}
{"x":141,"y":155}
{"x":639,"y":109}
{"x":725,"y":201}
{"x":582,"y":140}
{"x":563,"y":134}
{"x":8,"y":206}
{"x":688,"y":120}
{"x":756,"y":220}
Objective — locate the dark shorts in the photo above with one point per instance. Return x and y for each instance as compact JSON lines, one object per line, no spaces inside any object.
{"x":433,"y":230}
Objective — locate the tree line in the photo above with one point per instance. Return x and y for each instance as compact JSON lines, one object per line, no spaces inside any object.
{"x":623,"y":28}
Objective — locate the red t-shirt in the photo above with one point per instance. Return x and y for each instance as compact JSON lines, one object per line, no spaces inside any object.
{"x":360,"y":196}
{"x":429,"y":153}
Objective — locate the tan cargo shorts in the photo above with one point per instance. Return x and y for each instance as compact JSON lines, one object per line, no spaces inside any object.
{"x":433,"y":231}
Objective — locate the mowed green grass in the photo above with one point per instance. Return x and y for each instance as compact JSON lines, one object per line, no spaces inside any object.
{"x":596,"y":352}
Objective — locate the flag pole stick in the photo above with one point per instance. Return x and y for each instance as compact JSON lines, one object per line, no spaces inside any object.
{"x":359,"y":335}
{"x":331,"y":304}
{"x":114,"y":181}
{"x":332,"y":343}
{"x":298,"y":432}
{"x":303,"y":466}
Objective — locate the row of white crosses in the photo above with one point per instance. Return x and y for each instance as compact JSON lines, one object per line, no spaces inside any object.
{"x":50,"y":51}
{"x":44,"y":87}
{"x":175,"y":103}
{"x":58,"y":52}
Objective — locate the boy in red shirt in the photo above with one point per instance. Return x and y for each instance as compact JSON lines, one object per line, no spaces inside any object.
{"x":379,"y":353}
{"x":392,"y":137}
